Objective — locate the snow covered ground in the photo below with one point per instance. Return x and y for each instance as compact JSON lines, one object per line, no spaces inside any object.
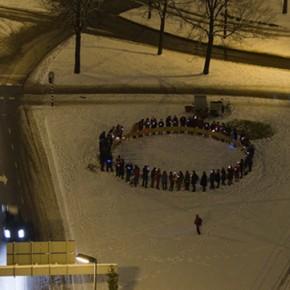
{"x":245,"y":237}
{"x":150,"y":233}
{"x":31,"y":5}
{"x":277,"y":45}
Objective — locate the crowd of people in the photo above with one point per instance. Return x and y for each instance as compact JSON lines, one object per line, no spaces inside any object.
{"x":171,"y":180}
{"x":193,"y":121}
{"x":106,"y":141}
{"x":164,"y":180}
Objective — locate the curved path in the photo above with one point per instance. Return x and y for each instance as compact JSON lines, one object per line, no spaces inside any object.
{"x":111,"y":24}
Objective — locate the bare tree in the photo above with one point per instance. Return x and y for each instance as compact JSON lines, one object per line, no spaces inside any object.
{"x":161,"y":7}
{"x":77,"y":11}
{"x":236,"y":19}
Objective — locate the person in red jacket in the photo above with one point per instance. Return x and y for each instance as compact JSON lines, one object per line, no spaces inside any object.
{"x":198,"y":222}
{"x":158,"y":177}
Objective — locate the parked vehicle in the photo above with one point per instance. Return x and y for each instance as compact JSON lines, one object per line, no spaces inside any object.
{"x":15,"y":228}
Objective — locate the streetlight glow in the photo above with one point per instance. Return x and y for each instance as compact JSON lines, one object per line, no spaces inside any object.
{"x":88,"y":259}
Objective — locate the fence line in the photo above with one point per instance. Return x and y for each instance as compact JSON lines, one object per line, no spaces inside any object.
{"x":183,"y":130}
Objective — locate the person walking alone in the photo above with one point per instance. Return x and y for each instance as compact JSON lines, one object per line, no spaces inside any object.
{"x":198,"y":223}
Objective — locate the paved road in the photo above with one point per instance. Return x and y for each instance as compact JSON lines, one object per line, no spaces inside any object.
{"x":26,"y":50}
{"x":11,"y":190}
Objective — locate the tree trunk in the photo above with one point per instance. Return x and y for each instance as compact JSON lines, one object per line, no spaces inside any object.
{"x":225,"y":20}
{"x":162,"y":28}
{"x":208,"y":54}
{"x":78,"y":52}
{"x":78,"y":31}
{"x":209,"y":44}
{"x":149,"y":9}
{"x":285,"y":6}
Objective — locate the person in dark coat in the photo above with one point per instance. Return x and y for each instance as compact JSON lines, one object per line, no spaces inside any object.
{"x":117,"y":165}
{"x":237,"y":172}
{"x":230,"y":175}
{"x":241,"y":168}
{"x":186,"y":180}
{"x":164,"y":180}
{"x":194,"y":179}
{"x":212,"y":179}
{"x":141,"y":126}
{"x":175,"y":121}
{"x":109,"y":162}
{"x":198,"y":223}
{"x":190,"y":124}
{"x":203,"y":181}
{"x":168,"y":123}
{"x":153,"y":123}
{"x":223,"y":176}
{"x":158,"y":177}
{"x":122,"y":168}
{"x":182,"y":122}
{"x":171,"y":181}
{"x":153,"y":175}
{"x":218,"y":178}
{"x":160,"y":125}
{"x":129,"y":170}
{"x":102,"y":136}
{"x":136,"y":175}
{"x":179,"y":180}
{"x":145,"y":173}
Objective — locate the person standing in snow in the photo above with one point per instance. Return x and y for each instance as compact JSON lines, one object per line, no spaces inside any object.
{"x":153,"y":175}
{"x":241,"y":168}
{"x":237,"y":172}
{"x":158,"y":177}
{"x":218,"y":178}
{"x":168,"y":122}
{"x":145,"y":174}
{"x":122,"y":168}
{"x":179,"y":180}
{"x":186,"y":180}
{"x":160,"y":125}
{"x":136,"y":175}
{"x":194,"y":179}
{"x":164,"y":179}
{"x":117,"y":165}
{"x":203,"y":181}
{"x":198,"y":222}
{"x":153,"y":123}
{"x":129,"y":170}
{"x":171,"y":181}
{"x":223,"y":176}
{"x":230,"y":175}
{"x":212,"y":179}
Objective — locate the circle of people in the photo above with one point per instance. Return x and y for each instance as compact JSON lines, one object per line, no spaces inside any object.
{"x":161,"y":179}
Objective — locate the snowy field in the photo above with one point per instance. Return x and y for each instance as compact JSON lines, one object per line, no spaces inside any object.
{"x":109,"y":62}
{"x":31,"y":5}
{"x":149,"y":233}
{"x":10,"y":26}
